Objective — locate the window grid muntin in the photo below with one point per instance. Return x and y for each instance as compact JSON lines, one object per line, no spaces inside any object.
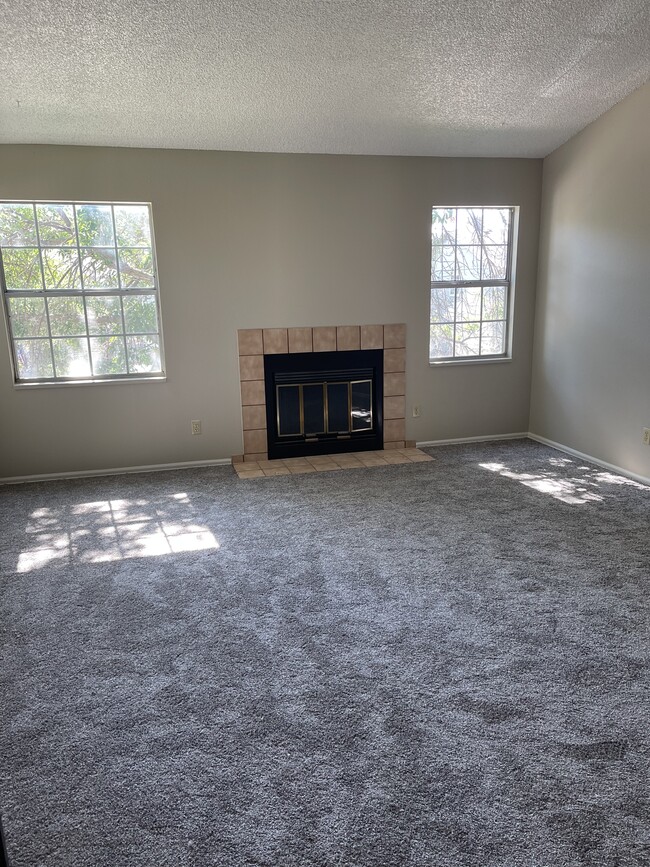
{"x":119,"y":286}
{"x":81,"y":279}
{"x":45,"y":305}
{"x":482,"y":283}
{"x":83,"y":293}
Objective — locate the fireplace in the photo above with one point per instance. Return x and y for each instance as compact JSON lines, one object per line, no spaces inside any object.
{"x":314,"y":407}
{"x":324,"y":402}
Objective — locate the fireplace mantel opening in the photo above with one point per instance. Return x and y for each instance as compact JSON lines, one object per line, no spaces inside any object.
{"x":324,"y":402}
{"x":322,"y":390}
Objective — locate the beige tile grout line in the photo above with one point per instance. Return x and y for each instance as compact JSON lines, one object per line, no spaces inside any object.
{"x":324,"y":463}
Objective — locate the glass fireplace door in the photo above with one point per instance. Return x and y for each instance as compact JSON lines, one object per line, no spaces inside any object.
{"x":315,"y":409}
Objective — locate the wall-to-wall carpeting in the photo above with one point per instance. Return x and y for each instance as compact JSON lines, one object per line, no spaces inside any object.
{"x":442,"y":664}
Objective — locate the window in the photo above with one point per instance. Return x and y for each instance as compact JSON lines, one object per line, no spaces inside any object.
{"x":80,"y":291}
{"x":471,"y":270}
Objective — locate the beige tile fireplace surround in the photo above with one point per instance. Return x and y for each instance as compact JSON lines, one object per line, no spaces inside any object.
{"x":255,"y":343}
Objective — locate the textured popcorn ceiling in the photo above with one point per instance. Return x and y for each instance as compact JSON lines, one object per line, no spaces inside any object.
{"x":427,"y":77}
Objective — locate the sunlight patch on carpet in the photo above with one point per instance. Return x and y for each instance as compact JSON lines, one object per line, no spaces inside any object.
{"x":576,"y":491}
{"x":107,"y":530}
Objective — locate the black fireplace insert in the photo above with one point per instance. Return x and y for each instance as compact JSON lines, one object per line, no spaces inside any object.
{"x":324,"y":402}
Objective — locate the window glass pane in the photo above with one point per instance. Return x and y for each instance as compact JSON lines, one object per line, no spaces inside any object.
{"x":71,"y":356}
{"x":468,"y":263}
{"x":61,"y":269}
{"x":22,"y":269}
{"x":493,"y":336}
{"x":56,"y":225}
{"x":443,"y":260}
{"x":109,"y":355}
{"x":136,"y":268}
{"x":132,"y":226}
{"x":441,"y":341}
{"x":494,"y":302}
{"x":479,"y":238}
{"x":104,"y":314}
{"x":33,"y":359}
{"x":468,"y":303}
{"x":140,"y":314}
{"x":496,"y":225}
{"x":99,"y":268}
{"x":442,"y":303}
{"x":95,"y":225}
{"x":144,"y":354}
{"x":66,"y":250}
{"x":443,"y":226}
{"x":468,"y":338}
{"x":17,"y":226}
{"x":27,"y":316}
{"x":66,"y":316}
{"x":494,"y":262}
{"x":470,"y":225}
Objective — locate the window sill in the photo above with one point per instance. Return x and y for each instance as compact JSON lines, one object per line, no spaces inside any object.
{"x":459,"y":362}
{"x":20,"y":386}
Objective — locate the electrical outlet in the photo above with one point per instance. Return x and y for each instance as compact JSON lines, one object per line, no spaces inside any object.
{"x":416,"y":410}
{"x":646,"y":436}
{"x":196,"y":427}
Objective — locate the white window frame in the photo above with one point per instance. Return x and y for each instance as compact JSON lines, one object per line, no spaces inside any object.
{"x":508,"y":283}
{"x":83,"y":293}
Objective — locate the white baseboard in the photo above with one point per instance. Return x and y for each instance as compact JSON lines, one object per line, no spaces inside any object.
{"x":483,"y":439}
{"x":220,"y":462}
{"x":114,"y":471}
{"x":620,"y":471}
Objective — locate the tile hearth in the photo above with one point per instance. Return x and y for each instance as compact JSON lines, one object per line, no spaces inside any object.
{"x":323,"y":463}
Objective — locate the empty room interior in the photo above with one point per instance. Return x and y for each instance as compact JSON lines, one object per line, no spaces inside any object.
{"x":325,"y":424}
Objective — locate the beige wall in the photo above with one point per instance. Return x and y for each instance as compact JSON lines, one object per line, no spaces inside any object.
{"x":591,"y":382}
{"x":263,"y":240}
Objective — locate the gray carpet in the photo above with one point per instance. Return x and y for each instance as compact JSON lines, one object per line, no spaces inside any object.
{"x":435,"y":664}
